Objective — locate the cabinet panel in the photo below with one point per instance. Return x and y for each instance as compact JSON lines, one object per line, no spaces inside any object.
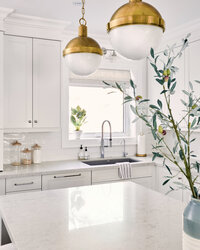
{"x":23,"y":184}
{"x":162,"y":172}
{"x":17,"y":82}
{"x":46,"y":83}
{"x":74,"y":179}
{"x":147,"y":182}
{"x":105,"y":175}
{"x":109,"y":175}
{"x":193,"y":65}
{"x":142,"y":171}
{"x":2,"y":186}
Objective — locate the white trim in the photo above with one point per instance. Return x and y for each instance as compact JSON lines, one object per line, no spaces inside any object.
{"x":176,"y":34}
{"x":30,"y":130}
{"x":95,"y":142}
{"x":4,"y":12}
{"x":32,"y":26}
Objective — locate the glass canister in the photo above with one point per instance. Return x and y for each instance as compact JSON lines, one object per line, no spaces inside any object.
{"x":37,"y":156}
{"x":26,"y":156}
{"x":16,"y":153}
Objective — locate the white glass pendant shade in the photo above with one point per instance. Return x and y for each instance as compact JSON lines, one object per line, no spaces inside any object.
{"x":83,"y":63}
{"x":135,"y":41}
{"x":83,"y":54}
{"x":135,"y":28}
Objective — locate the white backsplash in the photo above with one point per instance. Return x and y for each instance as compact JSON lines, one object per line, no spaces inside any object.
{"x":52,"y":149}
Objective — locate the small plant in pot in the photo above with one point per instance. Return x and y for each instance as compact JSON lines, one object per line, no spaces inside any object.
{"x":160,"y":119}
{"x":78,"y":118}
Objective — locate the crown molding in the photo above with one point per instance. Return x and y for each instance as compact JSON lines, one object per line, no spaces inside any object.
{"x":175,"y":35}
{"x":32,"y":26}
{"x":4,"y":12}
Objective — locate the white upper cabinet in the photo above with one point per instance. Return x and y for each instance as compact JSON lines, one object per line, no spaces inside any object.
{"x":17,"y":82}
{"x":176,"y":104}
{"x":46,"y":83}
{"x":193,"y":64}
{"x":32,"y":83}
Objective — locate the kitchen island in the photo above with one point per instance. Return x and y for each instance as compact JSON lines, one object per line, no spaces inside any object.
{"x":117,"y":216}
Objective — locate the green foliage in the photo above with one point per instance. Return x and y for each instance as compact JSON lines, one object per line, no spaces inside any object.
{"x":78,"y":117}
{"x":159,"y":118}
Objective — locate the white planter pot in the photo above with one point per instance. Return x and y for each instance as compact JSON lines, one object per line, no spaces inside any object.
{"x":78,"y":134}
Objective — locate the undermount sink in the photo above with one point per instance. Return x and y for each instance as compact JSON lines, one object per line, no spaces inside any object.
{"x":109,"y":161}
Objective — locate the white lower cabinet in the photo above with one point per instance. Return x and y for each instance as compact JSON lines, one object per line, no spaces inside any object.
{"x":69,"y":179}
{"x":144,"y":175}
{"x":2,"y":186}
{"x":148,"y":182}
{"x":175,"y":183}
{"x":23,"y":184}
{"x":105,"y":175}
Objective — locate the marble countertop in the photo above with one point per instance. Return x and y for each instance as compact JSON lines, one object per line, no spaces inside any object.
{"x":119,"y":216}
{"x":59,"y":167}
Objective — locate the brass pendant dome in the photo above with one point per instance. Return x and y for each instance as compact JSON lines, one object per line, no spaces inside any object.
{"x":82,"y":44}
{"x":136,"y":12}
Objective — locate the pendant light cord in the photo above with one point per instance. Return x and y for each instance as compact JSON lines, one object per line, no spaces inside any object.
{"x":82,"y":20}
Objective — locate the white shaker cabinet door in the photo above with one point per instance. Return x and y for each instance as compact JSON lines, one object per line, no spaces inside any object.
{"x":46,"y":83}
{"x":175,"y":183}
{"x":193,"y":65}
{"x":17,"y":82}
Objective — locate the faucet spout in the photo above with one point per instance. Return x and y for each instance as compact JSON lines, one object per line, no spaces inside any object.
{"x":102,"y":137}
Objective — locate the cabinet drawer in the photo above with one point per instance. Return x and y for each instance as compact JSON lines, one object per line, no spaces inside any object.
{"x":141,"y":171}
{"x":23,"y":184}
{"x":72,"y":179}
{"x":105,"y":175}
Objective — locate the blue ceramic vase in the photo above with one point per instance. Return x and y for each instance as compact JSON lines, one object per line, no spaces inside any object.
{"x":191,"y":225}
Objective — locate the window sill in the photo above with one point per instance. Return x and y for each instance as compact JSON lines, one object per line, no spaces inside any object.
{"x":95,"y":142}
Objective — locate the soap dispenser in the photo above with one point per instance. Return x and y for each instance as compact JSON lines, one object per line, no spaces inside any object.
{"x":81,"y":153}
{"x":86,"y":154}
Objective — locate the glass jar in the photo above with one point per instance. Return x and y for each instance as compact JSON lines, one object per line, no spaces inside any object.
{"x":16,"y":153}
{"x":26,"y":156}
{"x":37,"y":157}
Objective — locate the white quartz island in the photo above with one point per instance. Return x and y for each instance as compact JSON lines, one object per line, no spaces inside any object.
{"x":118,"y":216}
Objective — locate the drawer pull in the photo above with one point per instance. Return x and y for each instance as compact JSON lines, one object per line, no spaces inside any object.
{"x":67,"y":176}
{"x":22,"y":184}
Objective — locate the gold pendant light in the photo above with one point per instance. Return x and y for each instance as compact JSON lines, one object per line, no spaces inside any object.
{"x":83,"y":53}
{"x":135,"y":23}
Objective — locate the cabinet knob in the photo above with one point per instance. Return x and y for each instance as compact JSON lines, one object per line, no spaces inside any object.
{"x":29,"y":121}
{"x":35,"y":121}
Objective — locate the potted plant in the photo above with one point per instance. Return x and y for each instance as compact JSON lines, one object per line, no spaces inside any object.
{"x":160,"y":121}
{"x":78,"y":118}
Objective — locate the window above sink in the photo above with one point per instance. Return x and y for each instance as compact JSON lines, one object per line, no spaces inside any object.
{"x":93,"y":95}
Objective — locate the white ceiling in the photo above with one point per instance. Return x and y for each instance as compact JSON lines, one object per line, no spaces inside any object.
{"x":98,"y":12}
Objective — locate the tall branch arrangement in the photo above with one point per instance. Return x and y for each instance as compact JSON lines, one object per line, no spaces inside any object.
{"x":161,"y":117}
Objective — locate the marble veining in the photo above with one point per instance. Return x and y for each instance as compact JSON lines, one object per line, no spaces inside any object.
{"x":119,"y":216}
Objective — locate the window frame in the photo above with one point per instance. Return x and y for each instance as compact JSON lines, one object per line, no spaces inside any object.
{"x":87,"y":139}
{"x":97,"y":135}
